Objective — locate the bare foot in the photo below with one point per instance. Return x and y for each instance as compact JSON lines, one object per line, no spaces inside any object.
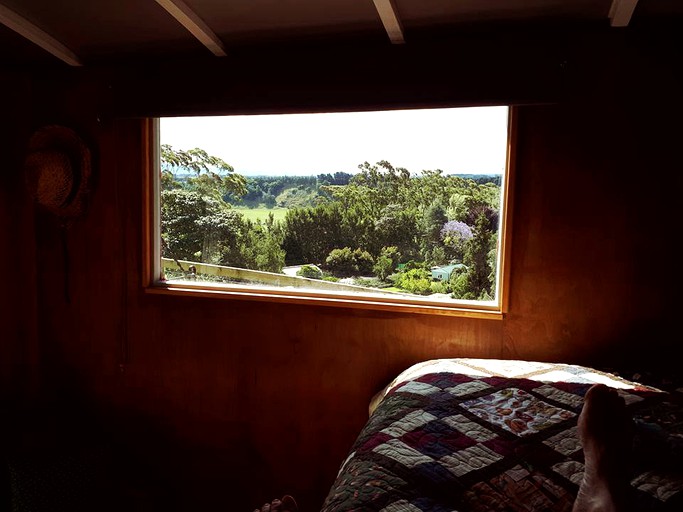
{"x":286,"y":504}
{"x":605,"y":432}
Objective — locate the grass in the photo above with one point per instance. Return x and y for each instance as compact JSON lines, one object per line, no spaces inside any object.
{"x":255,"y":214}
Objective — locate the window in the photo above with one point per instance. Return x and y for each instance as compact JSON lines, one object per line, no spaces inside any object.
{"x":394,"y":209}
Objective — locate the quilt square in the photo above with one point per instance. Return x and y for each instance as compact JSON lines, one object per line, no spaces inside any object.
{"x":467,"y":388}
{"x":417,"y":388}
{"x":570,"y":399}
{"x":375,"y":440}
{"x":402,"y":453}
{"x":470,"y":459}
{"x":401,"y":506}
{"x":444,"y":380}
{"x":437,"y":439}
{"x":516,"y":411}
{"x":566,"y":442}
{"x":408,"y":423}
{"x":660,"y":486}
{"x":571,"y":470}
{"x":469,"y":428}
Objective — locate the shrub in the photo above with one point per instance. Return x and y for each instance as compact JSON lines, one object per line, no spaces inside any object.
{"x":439,"y":287}
{"x":460,"y":287}
{"x":417,"y":280}
{"x":341,"y":261}
{"x":310,"y":271}
{"x":363,"y":261}
{"x":345,"y":262}
{"x":383,"y":268}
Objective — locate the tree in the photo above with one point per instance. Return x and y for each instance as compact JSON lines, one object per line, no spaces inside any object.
{"x":347,"y":262}
{"x":311,"y":233}
{"x":384,"y":267}
{"x":397,"y":226}
{"x":260,"y":248}
{"x":212,"y":176}
{"x":433,"y":220}
{"x":386,"y":262}
{"x":477,"y":259}
{"x":196,"y":227}
{"x":455,"y":235}
{"x":196,"y":223}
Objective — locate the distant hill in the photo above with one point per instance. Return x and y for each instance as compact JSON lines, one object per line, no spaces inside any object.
{"x":480,"y":178}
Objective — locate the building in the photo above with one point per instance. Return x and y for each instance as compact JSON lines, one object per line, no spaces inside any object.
{"x":444,"y":273}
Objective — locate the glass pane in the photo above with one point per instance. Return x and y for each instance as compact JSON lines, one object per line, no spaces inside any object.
{"x":401,"y":204}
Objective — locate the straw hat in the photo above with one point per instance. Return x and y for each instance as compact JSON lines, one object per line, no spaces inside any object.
{"x":58,"y":170}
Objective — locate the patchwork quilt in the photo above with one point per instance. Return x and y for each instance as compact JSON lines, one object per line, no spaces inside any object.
{"x":498,"y":435}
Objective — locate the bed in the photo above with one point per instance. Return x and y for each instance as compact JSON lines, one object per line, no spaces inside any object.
{"x":498,"y":435}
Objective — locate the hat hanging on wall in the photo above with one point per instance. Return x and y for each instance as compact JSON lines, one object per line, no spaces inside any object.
{"x":58,"y":171}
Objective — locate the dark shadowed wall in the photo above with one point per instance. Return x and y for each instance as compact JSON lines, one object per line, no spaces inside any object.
{"x":18,"y":349}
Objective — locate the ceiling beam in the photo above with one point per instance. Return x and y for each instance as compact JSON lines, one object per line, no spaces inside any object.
{"x":620,"y":12}
{"x":194,"y":24}
{"x":37,"y":36}
{"x":392,"y":23}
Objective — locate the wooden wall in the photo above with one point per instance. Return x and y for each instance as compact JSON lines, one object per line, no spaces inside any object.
{"x":18,"y":356}
{"x":220,"y":401}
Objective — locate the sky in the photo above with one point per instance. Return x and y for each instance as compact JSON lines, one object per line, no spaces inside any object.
{"x":455,"y":140}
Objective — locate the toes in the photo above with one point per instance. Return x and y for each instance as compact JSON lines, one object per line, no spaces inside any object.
{"x":289,"y":504}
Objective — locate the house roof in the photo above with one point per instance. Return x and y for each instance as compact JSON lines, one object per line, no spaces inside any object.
{"x":448,"y":268}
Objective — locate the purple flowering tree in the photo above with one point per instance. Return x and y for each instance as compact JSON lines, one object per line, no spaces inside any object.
{"x":455,"y":235}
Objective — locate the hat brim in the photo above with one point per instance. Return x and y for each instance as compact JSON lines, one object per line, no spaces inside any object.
{"x":63,"y":140}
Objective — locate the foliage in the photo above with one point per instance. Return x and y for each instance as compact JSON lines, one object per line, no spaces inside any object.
{"x":347,"y":262}
{"x":385,"y":213}
{"x":384,"y":266}
{"x":417,"y":280}
{"x":439,"y":287}
{"x":260,"y":247}
{"x":455,"y":235}
{"x":310,"y":271}
{"x":479,"y":275}
{"x":287,"y":191}
{"x":412,"y":264}
{"x":398,"y":226}
{"x":459,"y":287}
{"x":198,"y":225}
{"x":433,"y":221}
{"x":311,"y":233}
{"x":194,"y":225}
{"x":456,"y":229}
{"x":370,"y":282}
{"x":212,"y":176}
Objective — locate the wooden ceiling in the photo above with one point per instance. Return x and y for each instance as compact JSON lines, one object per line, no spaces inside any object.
{"x":87,"y":32}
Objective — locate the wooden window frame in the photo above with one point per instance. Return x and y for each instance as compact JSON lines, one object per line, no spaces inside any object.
{"x":151,"y":257}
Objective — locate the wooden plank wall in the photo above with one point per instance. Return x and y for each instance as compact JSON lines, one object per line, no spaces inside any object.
{"x":18,"y":348}
{"x":231,"y":402}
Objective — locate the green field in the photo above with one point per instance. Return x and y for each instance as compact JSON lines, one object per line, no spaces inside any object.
{"x":262,"y":213}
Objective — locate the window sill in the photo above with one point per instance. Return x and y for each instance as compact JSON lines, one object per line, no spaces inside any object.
{"x":289,"y":296}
